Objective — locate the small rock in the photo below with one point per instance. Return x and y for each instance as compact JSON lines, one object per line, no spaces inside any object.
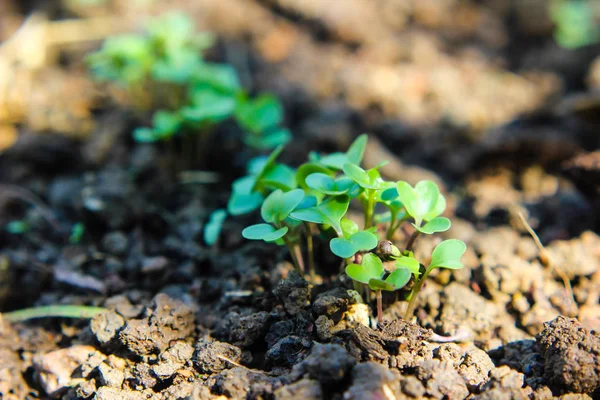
{"x":106,"y":326}
{"x":172,"y":359}
{"x":305,"y":389}
{"x":110,"y":376}
{"x":288,"y":351}
{"x":169,"y":320}
{"x":373,"y":381}
{"x":327,"y":363}
{"x":55,"y":370}
{"x":109,"y":393}
{"x":294,"y":292}
{"x":115,"y":243}
{"x":475,"y":368}
{"x":211,"y":356}
{"x":441,"y":380}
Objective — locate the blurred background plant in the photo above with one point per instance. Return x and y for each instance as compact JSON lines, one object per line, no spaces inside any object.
{"x":577,"y":22}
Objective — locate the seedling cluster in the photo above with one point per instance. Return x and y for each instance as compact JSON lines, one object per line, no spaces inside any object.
{"x":294,"y":203}
{"x":163,"y":69}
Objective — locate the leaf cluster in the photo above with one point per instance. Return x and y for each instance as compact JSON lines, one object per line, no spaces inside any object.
{"x":165,"y":64}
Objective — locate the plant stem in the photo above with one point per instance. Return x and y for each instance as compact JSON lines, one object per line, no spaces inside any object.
{"x":411,"y":241}
{"x":293,"y":249}
{"x":379,"y":307}
{"x":369,"y":209}
{"x":391,"y":229}
{"x":309,"y":249}
{"x":413,"y":296}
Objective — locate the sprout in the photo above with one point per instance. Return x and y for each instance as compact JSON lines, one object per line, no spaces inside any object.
{"x":275,"y":210}
{"x":353,"y":240}
{"x":371,"y":272}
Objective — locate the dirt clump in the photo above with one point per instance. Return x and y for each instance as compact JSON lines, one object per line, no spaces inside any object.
{"x":167,"y":320}
{"x":213,"y":356}
{"x":571,"y":355}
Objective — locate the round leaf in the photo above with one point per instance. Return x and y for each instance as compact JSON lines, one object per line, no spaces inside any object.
{"x":342,"y":248}
{"x":322,"y":183}
{"x":278,"y":205}
{"x":328,"y":213}
{"x":364,"y":240}
{"x":373,"y":265}
{"x":378,"y":284}
{"x":258,"y":231}
{"x":399,"y":278}
{"x":409,"y":263}
{"x":447,"y":254}
{"x":214,"y":225}
{"x":358,"y":273}
{"x":438,"y":224}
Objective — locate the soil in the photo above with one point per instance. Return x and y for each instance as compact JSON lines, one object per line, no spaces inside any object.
{"x":514,"y":132}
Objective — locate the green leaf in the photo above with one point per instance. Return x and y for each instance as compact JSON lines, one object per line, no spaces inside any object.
{"x":212,"y":230}
{"x":268,"y":164}
{"x":221,"y":77}
{"x":278,"y":205}
{"x":371,"y":267}
{"x":327,"y":185}
{"x":342,"y":247}
{"x":378,"y":284}
{"x":307,"y":169}
{"x":438,"y":224}
{"x":269,"y":140}
{"x":399,"y":278}
{"x":243,"y":200}
{"x":357,"y":174}
{"x":264,"y":232}
{"x":166,"y":122}
{"x":259,"y":114}
{"x":328,"y":213}
{"x":409,"y":263}
{"x":145,"y":135}
{"x":209,"y":106}
{"x":279,"y":176}
{"x":389,"y":194}
{"x":421,"y":201}
{"x":357,"y":150}
{"x":349,"y":227}
{"x":447,"y":254}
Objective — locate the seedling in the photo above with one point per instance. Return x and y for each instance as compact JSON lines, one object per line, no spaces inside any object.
{"x":163,"y":70}
{"x":275,"y":211}
{"x":371,"y":272}
{"x":319,"y":193}
{"x":213,"y":227}
{"x":446,"y":255}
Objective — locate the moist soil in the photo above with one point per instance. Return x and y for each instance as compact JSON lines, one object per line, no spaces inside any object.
{"x":233,"y":320}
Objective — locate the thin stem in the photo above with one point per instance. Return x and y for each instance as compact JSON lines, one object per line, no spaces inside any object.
{"x":369,"y":211}
{"x":309,"y":249}
{"x":411,"y":241}
{"x":413,"y":296}
{"x":294,"y":256}
{"x":391,"y":229}
{"x":379,"y":308}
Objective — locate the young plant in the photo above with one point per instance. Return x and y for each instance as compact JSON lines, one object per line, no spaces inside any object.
{"x":371,"y":272}
{"x":446,"y":255}
{"x":163,"y":70}
{"x":275,"y":211}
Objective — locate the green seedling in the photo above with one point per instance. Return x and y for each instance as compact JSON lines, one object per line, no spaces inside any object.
{"x":371,"y":183}
{"x":77,"y":232}
{"x":163,"y":70}
{"x":446,"y":255}
{"x":264,"y":176}
{"x":371,"y":272}
{"x":214,"y":226}
{"x":317,"y":196}
{"x":424,"y":203}
{"x":17,"y":227}
{"x":275,"y":211}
